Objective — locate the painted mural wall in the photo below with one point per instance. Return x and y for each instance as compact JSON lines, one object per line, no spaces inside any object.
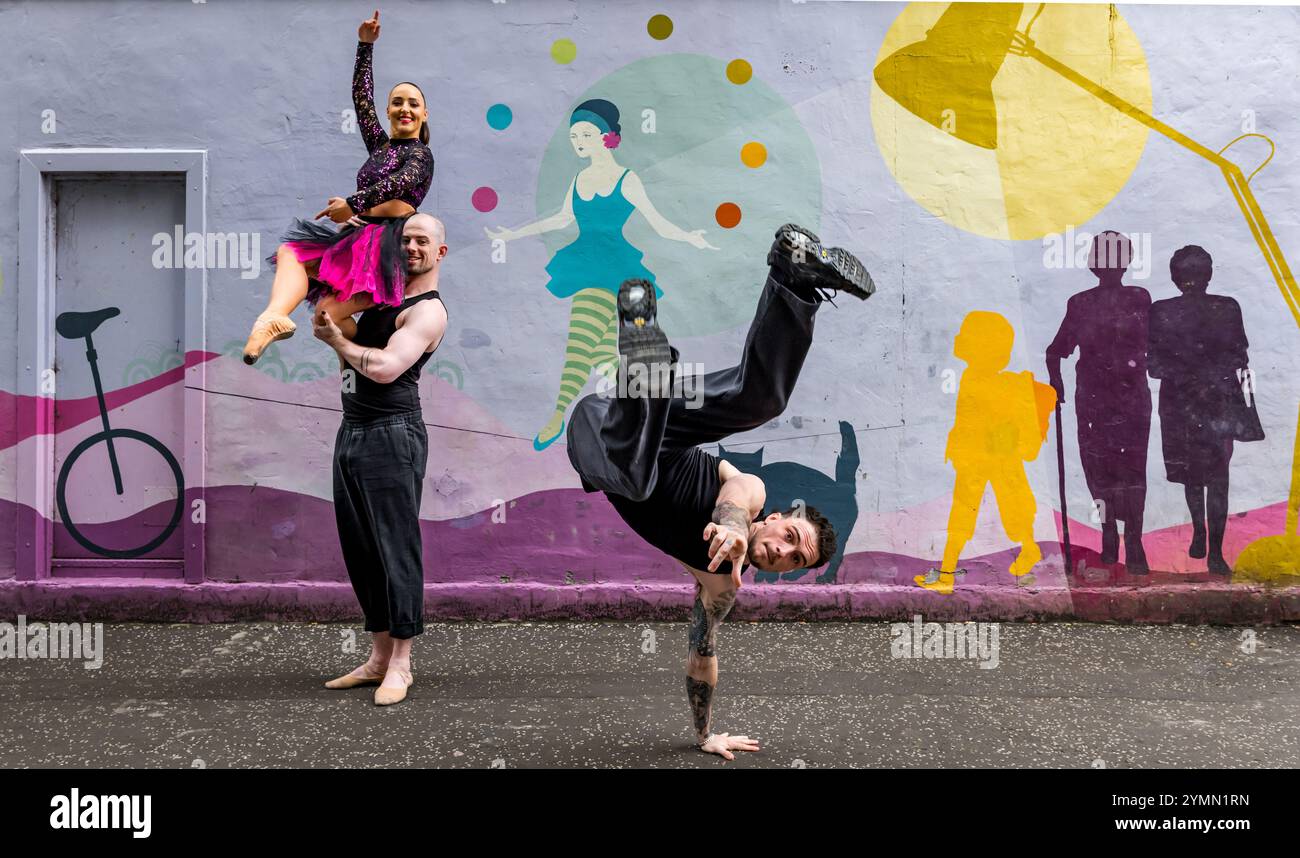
{"x":1084,"y":319}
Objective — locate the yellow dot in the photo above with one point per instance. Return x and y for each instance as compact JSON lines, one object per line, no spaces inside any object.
{"x":563,"y":51}
{"x":659,"y":27}
{"x":739,"y":71}
{"x":753,"y":154}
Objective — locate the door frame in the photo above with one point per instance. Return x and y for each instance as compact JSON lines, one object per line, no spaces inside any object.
{"x":37,"y":170}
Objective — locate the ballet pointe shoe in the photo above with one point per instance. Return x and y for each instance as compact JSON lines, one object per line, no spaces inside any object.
{"x":353,"y":679}
{"x":387,"y":696}
{"x":936,"y":581}
{"x":268,"y":328}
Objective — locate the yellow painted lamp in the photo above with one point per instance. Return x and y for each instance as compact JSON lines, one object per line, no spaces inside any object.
{"x":950,"y":74}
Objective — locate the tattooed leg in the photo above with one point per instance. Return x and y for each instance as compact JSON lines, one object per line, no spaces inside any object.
{"x":701,"y":658}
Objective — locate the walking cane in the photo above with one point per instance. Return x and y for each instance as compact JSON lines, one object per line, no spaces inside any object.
{"x":1060,"y":476}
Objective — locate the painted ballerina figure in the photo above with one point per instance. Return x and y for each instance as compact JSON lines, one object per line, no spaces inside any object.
{"x":589,"y":270}
{"x":360,"y":264}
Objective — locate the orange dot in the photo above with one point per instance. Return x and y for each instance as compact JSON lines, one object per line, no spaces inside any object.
{"x":727,"y":215}
{"x":753,"y":154}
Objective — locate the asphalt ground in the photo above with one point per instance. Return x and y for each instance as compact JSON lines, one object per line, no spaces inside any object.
{"x":612,"y":695}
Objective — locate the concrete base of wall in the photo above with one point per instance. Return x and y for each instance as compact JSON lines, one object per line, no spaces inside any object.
{"x":106,"y":600}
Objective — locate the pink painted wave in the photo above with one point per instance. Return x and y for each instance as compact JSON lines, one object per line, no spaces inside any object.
{"x":22,"y":417}
{"x":1166,"y":548}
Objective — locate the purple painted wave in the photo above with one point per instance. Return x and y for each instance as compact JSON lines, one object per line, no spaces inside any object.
{"x":8,"y":543}
{"x":554,"y":537}
{"x":563,"y":554}
{"x":561,"y":536}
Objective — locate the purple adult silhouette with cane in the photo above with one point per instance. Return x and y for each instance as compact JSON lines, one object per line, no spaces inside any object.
{"x":1112,"y":403}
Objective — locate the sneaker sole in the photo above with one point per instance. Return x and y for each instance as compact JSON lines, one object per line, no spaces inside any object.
{"x":834,"y":263}
{"x":644,"y":346}
{"x":645,"y":308}
{"x":643,"y":343}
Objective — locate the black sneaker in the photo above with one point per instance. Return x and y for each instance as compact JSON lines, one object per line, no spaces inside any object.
{"x":641,"y":342}
{"x":800,"y":253}
{"x":637,"y":306}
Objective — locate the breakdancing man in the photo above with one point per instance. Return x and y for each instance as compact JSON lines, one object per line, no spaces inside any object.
{"x":641,"y":449}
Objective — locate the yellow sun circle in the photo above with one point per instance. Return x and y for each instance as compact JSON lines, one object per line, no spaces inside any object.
{"x":1059,"y":153}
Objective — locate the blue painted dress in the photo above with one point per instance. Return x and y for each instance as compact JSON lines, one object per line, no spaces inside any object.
{"x":600,"y":257}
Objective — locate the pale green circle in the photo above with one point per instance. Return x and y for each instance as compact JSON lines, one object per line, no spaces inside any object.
{"x":688,"y":166}
{"x":563,"y":51}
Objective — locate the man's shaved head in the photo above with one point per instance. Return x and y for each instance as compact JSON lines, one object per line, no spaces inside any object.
{"x":424,"y":240}
{"x":427,"y":224}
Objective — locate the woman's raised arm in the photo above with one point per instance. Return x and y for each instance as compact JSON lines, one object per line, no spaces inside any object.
{"x":363,"y":85}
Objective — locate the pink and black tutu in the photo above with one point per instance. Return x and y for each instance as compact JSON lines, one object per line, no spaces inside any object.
{"x":353,"y":260}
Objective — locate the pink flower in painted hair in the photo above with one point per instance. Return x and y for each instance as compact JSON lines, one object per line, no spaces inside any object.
{"x":612,"y":139}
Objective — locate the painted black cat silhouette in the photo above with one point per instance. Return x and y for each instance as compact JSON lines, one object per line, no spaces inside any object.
{"x":789,"y":481}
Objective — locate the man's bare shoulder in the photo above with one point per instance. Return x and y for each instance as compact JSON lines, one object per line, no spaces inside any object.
{"x":428,"y":318}
{"x":424,"y":312}
{"x":726,"y":471}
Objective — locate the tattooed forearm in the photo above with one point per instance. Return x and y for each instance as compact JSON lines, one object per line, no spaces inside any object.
{"x":731,"y":515}
{"x":704,"y":636}
{"x":365,"y":360}
{"x":700,"y":694}
{"x":705,"y":622}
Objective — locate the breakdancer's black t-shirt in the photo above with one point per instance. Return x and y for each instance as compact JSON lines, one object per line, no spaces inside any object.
{"x":673,"y":518}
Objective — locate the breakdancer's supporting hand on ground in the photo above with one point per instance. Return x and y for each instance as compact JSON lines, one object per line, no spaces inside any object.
{"x":642,"y":450}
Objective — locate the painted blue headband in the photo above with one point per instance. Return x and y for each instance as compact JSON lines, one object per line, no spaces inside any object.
{"x":588,"y":116}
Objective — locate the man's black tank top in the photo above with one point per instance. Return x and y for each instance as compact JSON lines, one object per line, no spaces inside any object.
{"x":364,"y":399}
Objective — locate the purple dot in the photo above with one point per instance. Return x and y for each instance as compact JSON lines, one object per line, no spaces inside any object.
{"x":484,"y":199}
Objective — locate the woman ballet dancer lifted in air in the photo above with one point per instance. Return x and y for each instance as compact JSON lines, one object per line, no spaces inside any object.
{"x":359,"y":265}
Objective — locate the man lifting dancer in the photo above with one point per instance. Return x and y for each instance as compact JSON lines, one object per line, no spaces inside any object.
{"x":640,"y":449}
{"x":380,"y":455}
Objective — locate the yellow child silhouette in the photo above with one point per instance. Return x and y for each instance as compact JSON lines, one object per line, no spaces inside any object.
{"x":1001,"y":423}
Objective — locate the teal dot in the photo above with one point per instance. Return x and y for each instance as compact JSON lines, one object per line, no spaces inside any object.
{"x":499,"y":117}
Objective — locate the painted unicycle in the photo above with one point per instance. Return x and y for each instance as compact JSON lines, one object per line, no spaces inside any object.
{"x":74,"y":326}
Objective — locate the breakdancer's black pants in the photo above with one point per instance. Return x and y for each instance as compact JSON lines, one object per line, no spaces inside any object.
{"x":618,"y":444}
